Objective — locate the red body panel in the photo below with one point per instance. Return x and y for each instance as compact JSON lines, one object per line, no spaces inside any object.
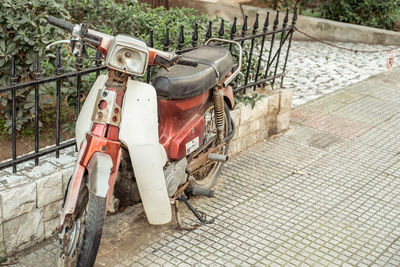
{"x":180,"y":122}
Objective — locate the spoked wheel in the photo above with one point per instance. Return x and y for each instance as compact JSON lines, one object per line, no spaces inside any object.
{"x":80,"y":238}
{"x":207,"y":173}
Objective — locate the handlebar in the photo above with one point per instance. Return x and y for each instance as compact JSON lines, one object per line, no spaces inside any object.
{"x":82,"y":31}
{"x":62,"y":24}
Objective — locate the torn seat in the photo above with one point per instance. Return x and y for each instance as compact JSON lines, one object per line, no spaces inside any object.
{"x":214,"y":63}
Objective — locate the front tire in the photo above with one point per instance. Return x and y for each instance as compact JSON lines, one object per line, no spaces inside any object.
{"x":84,"y":249}
{"x":93,"y":231}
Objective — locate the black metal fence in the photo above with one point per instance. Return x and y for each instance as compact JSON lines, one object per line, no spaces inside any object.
{"x":266,"y":54}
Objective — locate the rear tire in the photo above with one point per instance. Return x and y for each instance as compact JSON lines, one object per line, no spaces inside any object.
{"x":93,"y":231}
{"x":207,"y":178}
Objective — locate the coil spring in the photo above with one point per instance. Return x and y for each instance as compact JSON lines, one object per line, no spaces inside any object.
{"x":219,"y":112}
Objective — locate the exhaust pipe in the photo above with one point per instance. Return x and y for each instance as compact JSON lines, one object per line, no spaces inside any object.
{"x":217,"y":157}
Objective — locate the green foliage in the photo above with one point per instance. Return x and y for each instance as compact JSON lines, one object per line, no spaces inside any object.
{"x":381,"y":14}
{"x":24,"y":29}
{"x":131,"y":17}
{"x":248,"y":98}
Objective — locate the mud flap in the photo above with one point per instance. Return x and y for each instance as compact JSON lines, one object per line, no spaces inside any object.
{"x":139,"y":132}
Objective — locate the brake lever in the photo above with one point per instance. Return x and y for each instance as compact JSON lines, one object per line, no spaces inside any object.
{"x":58,"y":42}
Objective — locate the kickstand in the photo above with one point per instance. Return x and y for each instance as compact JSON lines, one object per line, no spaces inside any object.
{"x":201,"y":216}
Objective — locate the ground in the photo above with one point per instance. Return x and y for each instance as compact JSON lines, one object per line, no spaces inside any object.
{"x":325,"y":193}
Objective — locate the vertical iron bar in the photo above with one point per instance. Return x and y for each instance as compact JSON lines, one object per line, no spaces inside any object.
{"x":195,"y":36}
{"x":181,"y":39}
{"x":244,"y":30}
{"x":265,"y":29}
{"x":294,"y":18}
{"x":36,"y":75}
{"x":13,"y":81}
{"x":233,"y":31}
{"x":79,"y":66}
{"x":150,"y":44}
{"x":285,"y":21}
{"x":221,"y":31}
{"x":58,"y":67}
{"x":209,"y":31}
{"x":166,"y":40}
{"x":272,"y":43}
{"x":255,"y":27}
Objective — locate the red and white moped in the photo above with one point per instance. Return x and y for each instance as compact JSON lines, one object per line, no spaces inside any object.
{"x":157,"y":143}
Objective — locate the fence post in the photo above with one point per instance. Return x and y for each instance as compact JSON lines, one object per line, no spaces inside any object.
{"x":244,"y":30}
{"x":181,"y":40}
{"x":276,"y":21}
{"x":255,"y":27}
{"x":221,"y":31}
{"x":209,"y":30}
{"x":166,"y":40}
{"x":285,"y":21}
{"x":13,"y":81}
{"x":58,"y":67}
{"x":294,"y":18}
{"x":36,"y":76}
{"x":265,"y":29}
{"x":233,"y":31}
{"x":195,"y":35}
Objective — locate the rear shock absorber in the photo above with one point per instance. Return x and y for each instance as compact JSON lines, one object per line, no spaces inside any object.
{"x":219,"y":112}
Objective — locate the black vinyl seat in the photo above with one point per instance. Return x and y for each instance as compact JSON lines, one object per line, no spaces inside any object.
{"x":214,"y":63}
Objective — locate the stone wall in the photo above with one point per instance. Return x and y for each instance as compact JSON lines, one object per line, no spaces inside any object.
{"x":30,"y":200}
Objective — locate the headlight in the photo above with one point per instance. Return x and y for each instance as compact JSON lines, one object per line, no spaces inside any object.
{"x":129,"y":55}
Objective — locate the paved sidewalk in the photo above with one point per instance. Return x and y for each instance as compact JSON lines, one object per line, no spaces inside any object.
{"x":327,"y":192}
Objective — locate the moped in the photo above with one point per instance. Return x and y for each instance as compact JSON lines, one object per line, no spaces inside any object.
{"x":157,"y":143}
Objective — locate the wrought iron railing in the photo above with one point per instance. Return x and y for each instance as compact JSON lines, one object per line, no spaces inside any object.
{"x":263,"y":65}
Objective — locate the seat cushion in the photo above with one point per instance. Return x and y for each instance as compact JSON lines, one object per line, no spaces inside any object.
{"x":214,"y":63}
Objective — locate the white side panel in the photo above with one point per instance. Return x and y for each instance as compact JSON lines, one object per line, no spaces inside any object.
{"x":139,"y":132}
{"x":84,"y":121}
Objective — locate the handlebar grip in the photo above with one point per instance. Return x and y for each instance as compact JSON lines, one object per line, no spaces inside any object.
{"x":187,"y":62}
{"x":61,"y":23}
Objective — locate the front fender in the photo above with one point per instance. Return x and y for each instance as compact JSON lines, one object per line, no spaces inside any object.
{"x":139,"y":132}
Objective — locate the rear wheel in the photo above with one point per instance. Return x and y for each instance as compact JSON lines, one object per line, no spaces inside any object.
{"x":80,"y":238}
{"x":207,"y":173}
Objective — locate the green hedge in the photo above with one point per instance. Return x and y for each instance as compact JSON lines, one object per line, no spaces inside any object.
{"x":24,"y":29}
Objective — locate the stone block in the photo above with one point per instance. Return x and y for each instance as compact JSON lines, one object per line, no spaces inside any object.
{"x":283,"y":121}
{"x":271,"y":124}
{"x":49,"y":189}
{"x":274,"y":103}
{"x":246,"y":112}
{"x":23,"y":231}
{"x":51,"y":210}
{"x":64,"y":161}
{"x":45,"y":168}
{"x":66,"y":175}
{"x":261,"y":107}
{"x":9,"y":180}
{"x":50,"y":227}
{"x":243,"y":130}
{"x":285,"y":99}
{"x":18,"y":200}
{"x":235,"y":147}
{"x":255,"y":125}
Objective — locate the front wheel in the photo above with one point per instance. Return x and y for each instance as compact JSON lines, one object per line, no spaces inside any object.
{"x":85,"y":234}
